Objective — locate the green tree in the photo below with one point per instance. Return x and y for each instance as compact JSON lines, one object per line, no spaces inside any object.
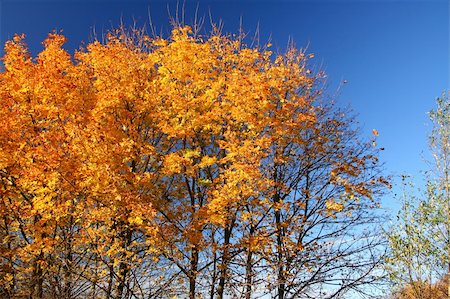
{"x":420,"y":240}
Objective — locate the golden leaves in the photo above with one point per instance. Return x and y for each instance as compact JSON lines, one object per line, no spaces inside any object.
{"x":375,"y":132}
{"x":130,"y":148}
{"x":333,"y":205}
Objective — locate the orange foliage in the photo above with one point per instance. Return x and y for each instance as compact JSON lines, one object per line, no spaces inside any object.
{"x":124,"y":154}
{"x":424,"y":290}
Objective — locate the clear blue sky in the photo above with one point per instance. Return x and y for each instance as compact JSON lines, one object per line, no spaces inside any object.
{"x":394,"y":54}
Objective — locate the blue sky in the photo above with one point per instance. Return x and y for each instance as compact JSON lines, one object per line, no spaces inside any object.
{"x":393,"y":54}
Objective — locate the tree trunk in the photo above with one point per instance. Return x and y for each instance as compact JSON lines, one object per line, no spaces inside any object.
{"x":38,"y":280}
{"x":123,"y":266}
{"x":193,"y":273}
{"x":248,"y":275}
{"x":110,"y":281}
{"x":249,"y":268}
{"x":213,"y":278}
{"x":281,"y":280}
{"x":69,"y":262}
{"x":225,"y":261}
{"x":214,"y":274}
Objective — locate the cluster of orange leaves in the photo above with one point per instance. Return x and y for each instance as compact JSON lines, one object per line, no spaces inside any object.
{"x":423,"y":290}
{"x":119,"y":138}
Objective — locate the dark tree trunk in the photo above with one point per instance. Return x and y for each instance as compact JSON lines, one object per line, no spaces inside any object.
{"x":280,"y":261}
{"x":225,"y":261}
{"x":248,"y":275}
{"x":193,"y":273}
{"x":249,"y":268}
{"x":38,"y":280}
{"x":123,"y":266}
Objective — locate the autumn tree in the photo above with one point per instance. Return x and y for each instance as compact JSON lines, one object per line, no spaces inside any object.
{"x":39,"y":169}
{"x":315,"y":234}
{"x":74,"y":195}
{"x":327,"y":184}
{"x":192,"y":166}
{"x":435,"y":290}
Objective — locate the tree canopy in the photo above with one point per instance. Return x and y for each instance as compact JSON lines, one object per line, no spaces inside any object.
{"x":145,"y":167}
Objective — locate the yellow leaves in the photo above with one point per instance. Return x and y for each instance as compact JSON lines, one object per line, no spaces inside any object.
{"x":333,"y":206}
{"x":18,"y":38}
{"x":127,"y":146}
{"x":217,"y":209}
{"x":278,"y":205}
{"x":375,"y":132}
{"x":207,"y":161}
{"x":135,"y":220}
{"x":187,"y":161}
{"x":54,"y":40}
{"x":134,"y":149}
{"x":181,"y":33}
{"x":246,"y":216}
{"x":8,"y":278}
{"x":175,"y":163}
{"x":256,"y":242}
{"x":16,"y":54}
{"x":160,"y":42}
{"x":191,"y":153}
{"x":204,"y":182}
